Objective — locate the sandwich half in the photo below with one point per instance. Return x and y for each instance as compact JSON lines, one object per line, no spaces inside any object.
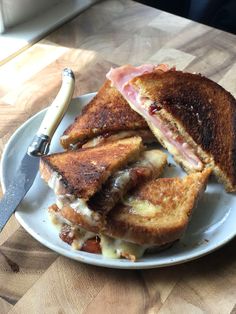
{"x":150,"y":217}
{"x":106,"y":117}
{"x":89,"y":182}
{"x":193,"y":117}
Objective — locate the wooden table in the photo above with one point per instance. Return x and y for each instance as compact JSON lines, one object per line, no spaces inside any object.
{"x":34,"y":279}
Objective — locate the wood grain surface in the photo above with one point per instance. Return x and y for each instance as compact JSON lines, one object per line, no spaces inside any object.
{"x":34,"y":279}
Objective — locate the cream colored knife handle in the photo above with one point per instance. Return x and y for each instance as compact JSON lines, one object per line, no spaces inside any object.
{"x":59,"y":106}
{"x":53,"y":116}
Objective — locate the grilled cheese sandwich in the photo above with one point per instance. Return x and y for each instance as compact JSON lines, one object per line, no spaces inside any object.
{"x":151,"y":217}
{"x":89,"y":182}
{"x":187,"y":113}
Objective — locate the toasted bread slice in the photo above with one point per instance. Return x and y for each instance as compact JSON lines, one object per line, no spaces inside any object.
{"x":150,"y":165}
{"x":82,"y":173}
{"x":108,"y":113}
{"x":158,"y":212}
{"x":204,"y":114}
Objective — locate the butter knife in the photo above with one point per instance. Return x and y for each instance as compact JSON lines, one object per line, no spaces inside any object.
{"x":27,"y":171}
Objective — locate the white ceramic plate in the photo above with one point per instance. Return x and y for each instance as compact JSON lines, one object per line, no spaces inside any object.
{"x":212,"y":225}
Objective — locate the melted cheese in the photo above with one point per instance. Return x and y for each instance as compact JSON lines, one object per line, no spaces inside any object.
{"x":64,"y":137}
{"x":121,"y":179}
{"x":111,"y":248}
{"x":116,"y":248}
{"x":142,"y":207}
{"x":57,"y":220}
{"x":113,"y":137}
{"x":54,"y":182}
{"x":80,"y":206}
{"x":81,"y":236}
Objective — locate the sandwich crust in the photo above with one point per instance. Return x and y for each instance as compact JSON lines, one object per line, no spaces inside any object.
{"x":203,"y":109}
{"x":81,"y":173}
{"x":107,"y":113}
{"x":170,"y":204}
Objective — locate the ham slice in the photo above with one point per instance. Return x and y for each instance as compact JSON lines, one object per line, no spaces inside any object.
{"x":120,"y":78}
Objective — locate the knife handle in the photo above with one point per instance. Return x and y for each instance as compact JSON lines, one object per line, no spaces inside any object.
{"x":59,"y":106}
{"x":53,"y":116}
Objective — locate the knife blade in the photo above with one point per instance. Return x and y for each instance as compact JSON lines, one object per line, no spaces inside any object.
{"x":27,"y":171}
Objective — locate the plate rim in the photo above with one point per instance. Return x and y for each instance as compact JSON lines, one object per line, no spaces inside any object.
{"x":105,"y":262}
{"x":114,"y":263}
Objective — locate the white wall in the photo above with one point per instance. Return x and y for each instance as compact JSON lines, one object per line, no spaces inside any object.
{"x":13,"y":12}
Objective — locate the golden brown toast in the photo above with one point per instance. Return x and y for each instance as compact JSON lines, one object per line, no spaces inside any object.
{"x":106,"y":114}
{"x":158,"y":212}
{"x":150,"y":165}
{"x":81,"y":173}
{"x":204,"y":114}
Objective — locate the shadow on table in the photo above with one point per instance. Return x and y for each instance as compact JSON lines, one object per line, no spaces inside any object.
{"x":217,"y":13}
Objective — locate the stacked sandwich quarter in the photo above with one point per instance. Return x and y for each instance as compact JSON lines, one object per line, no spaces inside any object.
{"x":110,"y":198}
